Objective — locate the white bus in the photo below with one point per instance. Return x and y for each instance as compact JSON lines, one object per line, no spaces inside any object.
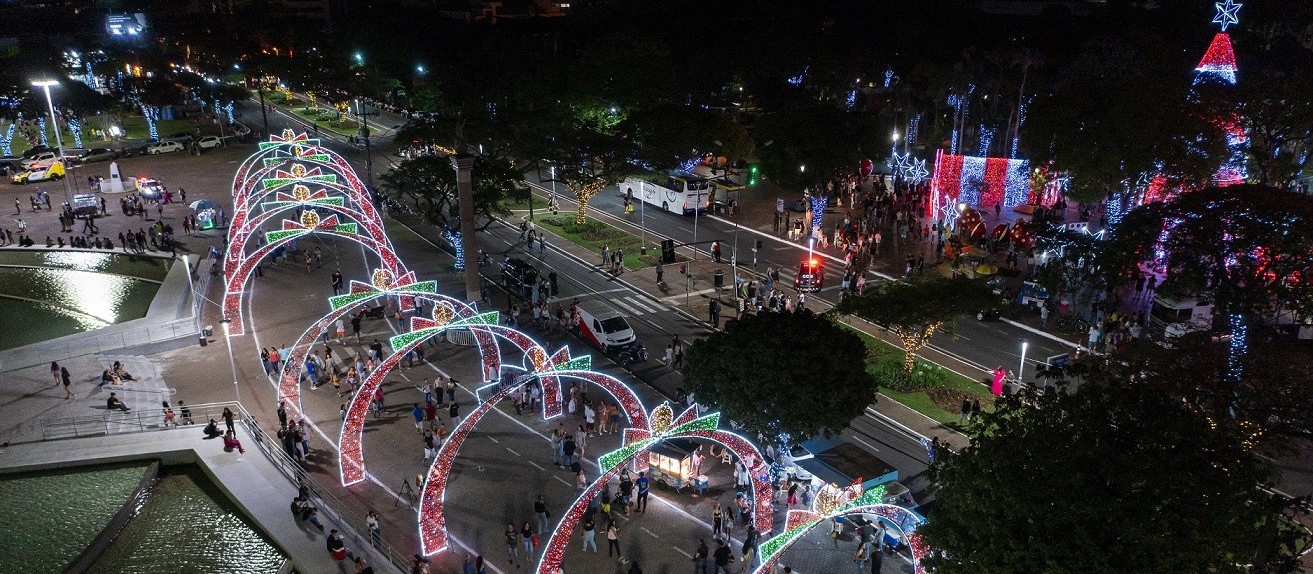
{"x":677,"y":193}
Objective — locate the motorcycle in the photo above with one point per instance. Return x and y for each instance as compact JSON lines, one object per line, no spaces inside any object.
{"x":635,"y":353}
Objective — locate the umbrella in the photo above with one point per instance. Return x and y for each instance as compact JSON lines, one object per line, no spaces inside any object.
{"x":202,"y":204}
{"x":986,"y":269}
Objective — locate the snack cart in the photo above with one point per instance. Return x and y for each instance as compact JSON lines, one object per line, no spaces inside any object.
{"x":671,"y":462}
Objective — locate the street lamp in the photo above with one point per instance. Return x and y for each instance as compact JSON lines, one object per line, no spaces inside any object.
{"x":1021,"y":369}
{"x":420,"y":69}
{"x":54,"y":123}
{"x":360,"y":58}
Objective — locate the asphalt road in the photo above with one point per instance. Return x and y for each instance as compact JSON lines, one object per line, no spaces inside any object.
{"x":503,"y":464}
{"x":984,"y":344}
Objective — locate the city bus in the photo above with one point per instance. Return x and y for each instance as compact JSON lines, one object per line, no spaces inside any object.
{"x":678,"y":192}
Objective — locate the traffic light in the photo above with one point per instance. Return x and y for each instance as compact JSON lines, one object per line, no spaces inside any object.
{"x":667,"y":250}
{"x":752,"y":174}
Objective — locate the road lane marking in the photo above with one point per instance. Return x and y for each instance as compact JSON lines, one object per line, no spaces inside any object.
{"x":494,"y":440}
{"x":535,"y":465}
{"x":682,"y":553}
{"x":562,"y":480}
{"x":649,"y":532}
{"x":508,"y":449}
{"x":868,"y":445}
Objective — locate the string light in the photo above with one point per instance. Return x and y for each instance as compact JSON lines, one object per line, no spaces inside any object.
{"x":1227,"y":14}
{"x":7,"y":141}
{"x":75,"y":127}
{"x":978,"y":181}
{"x":41,"y":127}
{"x":448,"y":313}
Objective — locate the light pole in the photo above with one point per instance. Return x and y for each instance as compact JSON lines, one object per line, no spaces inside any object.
{"x":553,"y":205}
{"x":1021,"y":369}
{"x":59,"y":141}
{"x":642,"y":217}
{"x":893,"y":159}
{"x":364,"y":133}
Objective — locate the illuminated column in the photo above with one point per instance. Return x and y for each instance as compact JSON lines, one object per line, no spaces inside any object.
{"x":464,"y":163}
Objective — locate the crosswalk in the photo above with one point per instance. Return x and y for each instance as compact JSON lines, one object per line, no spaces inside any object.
{"x":635,"y":306}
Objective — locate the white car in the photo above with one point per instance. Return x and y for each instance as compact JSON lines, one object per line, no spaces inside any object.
{"x":42,"y":160}
{"x":208,"y":142}
{"x":164,"y":147}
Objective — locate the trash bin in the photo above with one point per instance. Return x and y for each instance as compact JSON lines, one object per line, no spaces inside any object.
{"x":718,"y":278}
{"x":208,"y":331}
{"x":204,"y":341}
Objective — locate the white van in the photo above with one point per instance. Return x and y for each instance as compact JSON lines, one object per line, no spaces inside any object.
{"x":605,"y":328}
{"x":1170,"y":317}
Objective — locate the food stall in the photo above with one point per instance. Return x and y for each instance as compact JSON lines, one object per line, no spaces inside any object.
{"x":671,"y":462}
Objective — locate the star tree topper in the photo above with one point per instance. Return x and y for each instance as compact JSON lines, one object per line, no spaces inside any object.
{"x":1227,"y":14}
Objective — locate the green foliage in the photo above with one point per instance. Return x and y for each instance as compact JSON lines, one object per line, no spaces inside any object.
{"x":1246,"y":248}
{"x":1116,"y":110}
{"x":430,"y":183}
{"x":762,"y":374}
{"x":888,"y":370}
{"x":822,"y":138}
{"x":671,"y":134}
{"x":915,"y":310}
{"x":1109,"y":479}
{"x":595,"y":235}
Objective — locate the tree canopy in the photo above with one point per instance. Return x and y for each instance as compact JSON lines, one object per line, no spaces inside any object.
{"x":430,"y":183}
{"x":1246,"y":248}
{"x":916,"y":310}
{"x":796,"y":373}
{"x":1109,"y":479}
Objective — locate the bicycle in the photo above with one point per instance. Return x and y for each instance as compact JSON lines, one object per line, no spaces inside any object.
{"x":1072,"y":324}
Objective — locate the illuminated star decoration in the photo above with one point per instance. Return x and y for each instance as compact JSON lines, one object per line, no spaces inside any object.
{"x":918,"y":172}
{"x":901,"y":163}
{"x":1227,"y":14}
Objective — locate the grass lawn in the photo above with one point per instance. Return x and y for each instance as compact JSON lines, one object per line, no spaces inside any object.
{"x":593,"y":235}
{"x":134,"y":127}
{"x":955,"y":387}
{"x":327,"y":119}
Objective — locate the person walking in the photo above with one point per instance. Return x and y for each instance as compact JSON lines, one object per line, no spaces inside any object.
{"x":716,"y":518}
{"x":68,"y":382}
{"x":862,"y":556}
{"x":700,"y":556}
{"x":590,"y":534}
{"x":722,"y":558}
{"x":228,"y":419}
{"x":540,"y":511}
{"x":512,"y":545}
{"x":714,"y":310}
{"x":640,"y":504}
{"x":528,"y":540}
{"x":612,"y":540}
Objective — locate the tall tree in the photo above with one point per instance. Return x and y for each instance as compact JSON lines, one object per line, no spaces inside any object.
{"x":587,"y":161}
{"x":764,"y":376}
{"x":915,"y":310}
{"x":672,"y":134}
{"x":1112,"y":478}
{"x":1122,"y":108}
{"x":1246,"y":248}
{"x":430,"y":183}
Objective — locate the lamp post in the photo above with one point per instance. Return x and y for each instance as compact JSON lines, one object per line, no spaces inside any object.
{"x":54,"y":123}
{"x":893,"y":159}
{"x":364,"y":134}
{"x":1021,"y":369}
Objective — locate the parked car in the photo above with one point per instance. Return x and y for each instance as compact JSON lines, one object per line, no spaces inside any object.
{"x":36,"y":150}
{"x":164,"y":147}
{"x":42,"y":160}
{"x":135,"y":149}
{"x":208,"y":142}
{"x":53,"y":171}
{"x":519,"y":277}
{"x":97,"y":154}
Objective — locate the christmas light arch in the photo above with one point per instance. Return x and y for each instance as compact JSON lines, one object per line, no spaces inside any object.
{"x":833,"y":502}
{"x":236,"y":276}
{"x":289,"y":379}
{"x":286,"y":159}
{"x":637,"y":443}
{"x":351,"y":461}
